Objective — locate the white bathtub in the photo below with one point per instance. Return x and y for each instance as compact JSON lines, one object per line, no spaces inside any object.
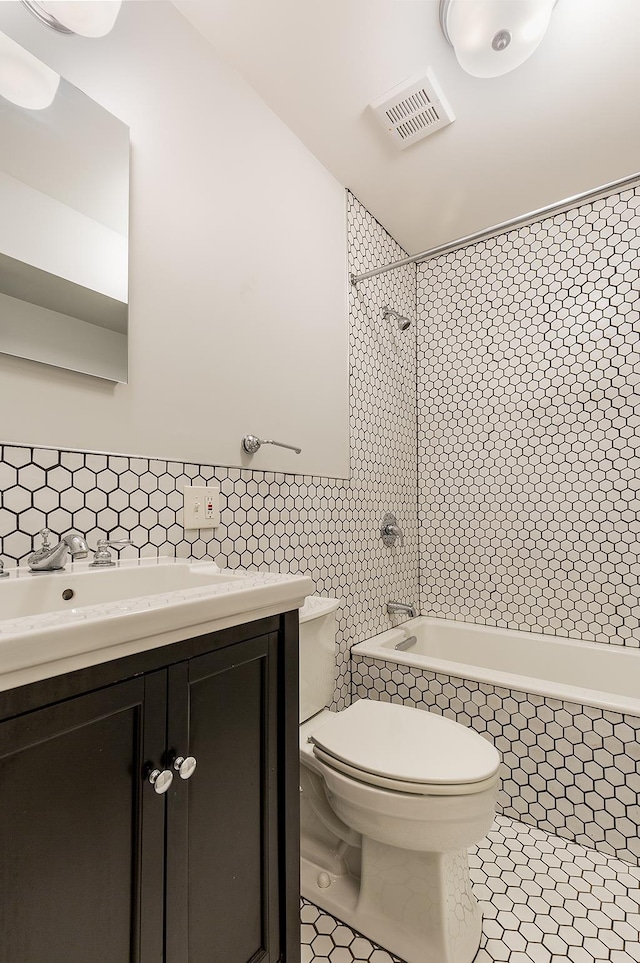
{"x":586,"y":673}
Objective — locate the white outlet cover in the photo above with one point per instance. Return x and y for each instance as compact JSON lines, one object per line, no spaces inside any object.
{"x":201,"y":506}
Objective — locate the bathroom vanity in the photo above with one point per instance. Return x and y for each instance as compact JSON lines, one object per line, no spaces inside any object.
{"x":97,"y":862}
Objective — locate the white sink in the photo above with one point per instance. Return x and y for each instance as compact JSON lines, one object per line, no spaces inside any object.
{"x":27,"y":594}
{"x":56,"y":622}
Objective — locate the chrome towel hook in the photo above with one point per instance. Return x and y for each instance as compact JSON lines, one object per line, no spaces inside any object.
{"x":251,"y":445}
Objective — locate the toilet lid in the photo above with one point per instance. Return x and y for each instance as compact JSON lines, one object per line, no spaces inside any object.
{"x":406,"y":745}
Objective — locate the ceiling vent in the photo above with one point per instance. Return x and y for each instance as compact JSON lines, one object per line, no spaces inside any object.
{"x":413,"y":110}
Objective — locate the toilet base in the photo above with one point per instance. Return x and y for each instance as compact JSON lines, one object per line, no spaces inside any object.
{"x":417,"y":905}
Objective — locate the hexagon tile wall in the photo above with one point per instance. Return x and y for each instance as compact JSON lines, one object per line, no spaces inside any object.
{"x":529,"y":410}
{"x":326,"y":527}
{"x":570,"y":769}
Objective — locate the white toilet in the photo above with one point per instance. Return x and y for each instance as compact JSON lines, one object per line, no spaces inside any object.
{"x":391,"y":798}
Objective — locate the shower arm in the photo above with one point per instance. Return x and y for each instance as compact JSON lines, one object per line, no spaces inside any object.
{"x":251,"y":444}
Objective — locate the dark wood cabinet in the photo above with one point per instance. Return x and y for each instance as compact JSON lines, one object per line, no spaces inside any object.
{"x":222,"y":846}
{"x":71,"y":813}
{"x":95,"y":865}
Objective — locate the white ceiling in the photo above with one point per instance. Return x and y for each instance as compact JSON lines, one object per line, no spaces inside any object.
{"x":565,"y":122}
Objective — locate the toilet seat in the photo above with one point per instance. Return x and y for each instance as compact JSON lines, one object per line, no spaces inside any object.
{"x":406,"y":750}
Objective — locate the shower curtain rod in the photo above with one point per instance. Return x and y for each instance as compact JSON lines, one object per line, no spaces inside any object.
{"x":588,"y":196}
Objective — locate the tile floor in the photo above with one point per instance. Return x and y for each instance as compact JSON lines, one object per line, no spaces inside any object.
{"x":545,"y":900}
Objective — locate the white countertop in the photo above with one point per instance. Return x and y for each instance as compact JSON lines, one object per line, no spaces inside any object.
{"x":74,"y":635}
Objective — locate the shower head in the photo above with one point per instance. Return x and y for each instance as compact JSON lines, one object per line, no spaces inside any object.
{"x":402,"y":322}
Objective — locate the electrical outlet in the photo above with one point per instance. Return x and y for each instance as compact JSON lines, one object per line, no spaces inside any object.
{"x":201,"y":506}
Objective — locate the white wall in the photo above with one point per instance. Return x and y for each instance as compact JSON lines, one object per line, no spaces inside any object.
{"x":237,"y":266}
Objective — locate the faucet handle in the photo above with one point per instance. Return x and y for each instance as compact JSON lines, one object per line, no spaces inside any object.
{"x":44,"y":549}
{"x":390,"y":530}
{"x":102,"y":555}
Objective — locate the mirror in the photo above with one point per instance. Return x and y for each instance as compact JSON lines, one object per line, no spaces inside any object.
{"x":64,"y":197}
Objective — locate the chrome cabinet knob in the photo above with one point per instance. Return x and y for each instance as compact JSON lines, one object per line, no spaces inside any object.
{"x":185,"y":767}
{"x":160,"y":779}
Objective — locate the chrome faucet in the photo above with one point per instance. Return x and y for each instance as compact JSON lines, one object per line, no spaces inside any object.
{"x":50,"y":558}
{"x":401,"y":608}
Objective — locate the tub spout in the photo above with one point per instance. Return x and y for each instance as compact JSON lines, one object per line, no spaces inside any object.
{"x":401,"y":608}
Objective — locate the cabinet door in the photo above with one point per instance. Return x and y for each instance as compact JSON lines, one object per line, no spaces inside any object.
{"x":222,"y":824}
{"x":71,"y":814}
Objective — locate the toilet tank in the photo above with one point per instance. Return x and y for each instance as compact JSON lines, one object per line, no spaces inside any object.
{"x":317,"y":654}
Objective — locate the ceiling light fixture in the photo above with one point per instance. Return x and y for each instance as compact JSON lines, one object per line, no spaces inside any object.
{"x":492,"y":37}
{"x":25,"y":80}
{"x":88,"y":18}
